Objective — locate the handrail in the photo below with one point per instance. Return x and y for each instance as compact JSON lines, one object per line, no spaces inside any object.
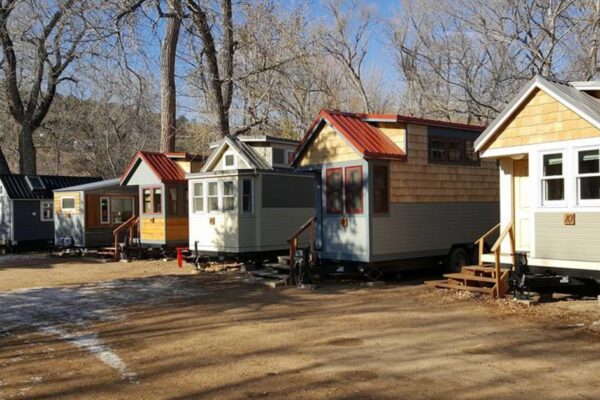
{"x":124,"y":225}
{"x":130,"y":223}
{"x":293,"y":242}
{"x":304,"y":227}
{"x":502,"y":236}
{"x":481,"y":241}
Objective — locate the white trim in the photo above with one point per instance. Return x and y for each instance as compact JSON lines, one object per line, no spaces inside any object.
{"x":42,"y":202}
{"x":578,"y":176}
{"x":208,"y":197}
{"x":233,"y":154}
{"x":231,"y":196}
{"x":548,"y":262}
{"x":109,"y":211}
{"x":542,"y":178}
{"x":192,"y":191}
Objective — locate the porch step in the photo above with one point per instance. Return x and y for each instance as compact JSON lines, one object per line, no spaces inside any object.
{"x":470,"y":277}
{"x":454,"y":285}
{"x":485,"y":268}
{"x":270,"y":274}
{"x":278,"y":267}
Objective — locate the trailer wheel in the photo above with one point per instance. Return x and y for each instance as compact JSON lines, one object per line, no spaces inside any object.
{"x":457,"y":259}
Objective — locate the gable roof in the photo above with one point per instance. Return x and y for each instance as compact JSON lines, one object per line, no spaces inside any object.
{"x":91,"y":186}
{"x":365,"y":138}
{"x":162,"y":164}
{"x":254,"y":160}
{"x":568,"y":94}
{"x":17,"y":188}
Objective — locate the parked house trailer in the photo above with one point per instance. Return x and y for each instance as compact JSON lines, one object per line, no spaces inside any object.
{"x":86,"y":215}
{"x":26,"y":207}
{"x":247,"y":199}
{"x":547,"y":141}
{"x":163,"y":195}
{"x":393,"y":188}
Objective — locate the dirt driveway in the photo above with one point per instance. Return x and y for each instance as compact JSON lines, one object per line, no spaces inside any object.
{"x":147,"y":330}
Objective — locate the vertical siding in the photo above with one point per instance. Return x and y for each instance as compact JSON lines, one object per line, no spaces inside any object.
{"x":554,"y":240}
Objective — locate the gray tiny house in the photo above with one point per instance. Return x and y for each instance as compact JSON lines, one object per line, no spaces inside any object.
{"x":86,"y":215}
{"x":26,"y":207}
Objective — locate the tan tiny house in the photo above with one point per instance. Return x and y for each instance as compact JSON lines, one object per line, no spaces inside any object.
{"x":393,"y":188}
{"x":547,"y":142}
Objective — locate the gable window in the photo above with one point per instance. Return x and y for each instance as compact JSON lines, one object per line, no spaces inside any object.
{"x":228,"y":196}
{"x":553,"y":181}
{"x":67,"y":203}
{"x":588,"y":175}
{"x":35,"y":182}
{"x":247,"y":196}
{"x":47,"y":212}
{"x":121,"y":209}
{"x":278,"y":156}
{"x":381,"y":190}
{"x":448,"y":149}
{"x":334,"y":183}
{"x":353,"y":190}
{"x":229,"y":160}
{"x":104,"y":210}
{"x":152,"y":201}
{"x":198,"y":201}
{"x":213,"y":196}
{"x":173,"y":200}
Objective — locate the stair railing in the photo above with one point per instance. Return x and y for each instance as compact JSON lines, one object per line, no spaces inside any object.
{"x":293,"y":243}
{"x":481,"y":242}
{"x":130,"y":224}
{"x":496,"y":249}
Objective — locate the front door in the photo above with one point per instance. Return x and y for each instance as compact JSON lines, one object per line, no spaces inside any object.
{"x":521,"y":204}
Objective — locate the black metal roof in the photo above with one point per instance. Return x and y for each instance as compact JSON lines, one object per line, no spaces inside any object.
{"x":17,"y":188}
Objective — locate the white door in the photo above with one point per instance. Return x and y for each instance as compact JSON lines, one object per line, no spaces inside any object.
{"x":522,"y":209}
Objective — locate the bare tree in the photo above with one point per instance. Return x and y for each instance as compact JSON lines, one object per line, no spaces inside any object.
{"x":4,"y":167}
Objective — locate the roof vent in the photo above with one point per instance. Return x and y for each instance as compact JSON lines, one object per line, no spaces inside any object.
{"x":35,"y":182}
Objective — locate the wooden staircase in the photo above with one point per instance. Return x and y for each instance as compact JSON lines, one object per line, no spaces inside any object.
{"x":488,"y":279}
{"x":131,"y":227}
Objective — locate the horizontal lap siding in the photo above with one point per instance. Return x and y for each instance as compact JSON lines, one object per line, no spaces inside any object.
{"x":152,"y":228}
{"x":554,"y":240}
{"x":178,"y":229}
{"x":278,"y":225}
{"x":350,"y":243}
{"x":27,"y":224}
{"x":328,"y":147}
{"x":543,"y":119}
{"x":417,"y":180}
{"x":222,"y":236}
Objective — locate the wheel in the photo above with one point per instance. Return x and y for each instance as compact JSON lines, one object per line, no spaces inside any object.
{"x":457,"y":259}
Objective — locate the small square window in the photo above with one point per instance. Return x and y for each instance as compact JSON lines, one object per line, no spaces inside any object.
{"x":67,"y":203}
{"x":229,"y":160}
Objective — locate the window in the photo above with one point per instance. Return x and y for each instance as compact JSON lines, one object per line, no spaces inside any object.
{"x":35,"y":182}
{"x":152,"y":201}
{"x":247,"y":196}
{"x":380,"y":189}
{"x":67,"y":203}
{"x":470,"y":154}
{"x":553,"y":182}
{"x":452,"y":150}
{"x":228,"y":196}
{"x":353,"y":190}
{"x":213,"y":196}
{"x":121,"y":210}
{"x":588,"y":175}
{"x":334,"y":190}
{"x":229,"y":160}
{"x":290,"y":157}
{"x":455,"y":150}
{"x":104,"y":210}
{"x":47,"y":212}
{"x":173,"y":201}
{"x":198,"y":201}
{"x":278,"y":156}
{"x":437,"y":149}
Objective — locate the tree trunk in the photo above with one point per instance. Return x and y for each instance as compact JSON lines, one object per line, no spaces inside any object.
{"x":27,"y":161}
{"x":168,"y":113}
{"x":4,"y":168}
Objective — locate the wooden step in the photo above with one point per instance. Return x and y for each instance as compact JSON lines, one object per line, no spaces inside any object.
{"x":452,"y":285}
{"x":467,"y":277}
{"x":482,"y":268}
{"x":269,"y":274}
{"x":276,"y":266}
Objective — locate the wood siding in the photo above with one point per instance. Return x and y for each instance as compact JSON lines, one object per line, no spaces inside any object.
{"x":58,"y":204}
{"x":152,"y":228}
{"x":419,"y":181}
{"x":328,"y":147}
{"x":177,"y":229}
{"x":557,"y":241}
{"x":543,"y":119}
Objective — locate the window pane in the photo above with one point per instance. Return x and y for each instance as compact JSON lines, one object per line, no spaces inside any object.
{"x":213,"y":204}
{"x":173,"y":200}
{"x":455,"y":150}
{"x":198,"y":189}
{"x":278,"y":156}
{"x":198,"y":204}
{"x":334,"y":191}
{"x":380,"y":189}
{"x":353,"y":188}
{"x":212,"y":189}
{"x":228,"y":188}
{"x":590,"y":188}
{"x":247,"y":187}
{"x":229,"y":160}
{"x":247,"y":195}
{"x":589,"y":162}
{"x":554,"y":189}
{"x":228,"y":203}
{"x":470,"y":154}
{"x":553,"y":164}
{"x":68,"y":202}
{"x":104,"y":212}
{"x":157,"y":200}
{"x":437,"y":149}
{"x":147,"y":200}
{"x":122,"y":210}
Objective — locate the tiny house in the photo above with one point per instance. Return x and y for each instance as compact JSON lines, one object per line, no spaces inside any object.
{"x":392,"y":188}
{"x":247,"y":199}
{"x":26,"y":207}
{"x":547,"y":142}
{"x":86,"y":215}
{"x":162,"y":188}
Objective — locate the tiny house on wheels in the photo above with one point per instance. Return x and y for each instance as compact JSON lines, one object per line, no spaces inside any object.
{"x":163,"y":196}
{"x":247,"y":199}
{"x":26,"y":207}
{"x":547,"y":141}
{"x":86,"y":215}
{"x":392,"y":189}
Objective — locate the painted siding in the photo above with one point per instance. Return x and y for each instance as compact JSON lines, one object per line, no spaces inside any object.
{"x":554,"y":240}
{"x":221,"y":237}
{"x":152,"y":229}
{"x":276,"y":226}
{"x":350,"y":243}
{"x":419,"y":229}
{"x":27,"y":225}
{"x":58,"y":203}
{"x":418,"y":181}
{"x":543,"y":119}
{"x":143,"y":175}
{"x":328,"y":147}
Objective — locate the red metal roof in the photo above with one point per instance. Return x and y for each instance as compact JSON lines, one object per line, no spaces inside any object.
{"x":367,"y":139}
{"x":167,"y":170}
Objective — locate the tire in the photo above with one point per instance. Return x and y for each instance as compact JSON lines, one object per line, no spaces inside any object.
{"x":458,"y":258}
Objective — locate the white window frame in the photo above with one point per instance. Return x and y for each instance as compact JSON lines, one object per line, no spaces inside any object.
{"x":251,"y":211}
{"x":208,"y":197}
{"x":564,"y":176}
{"x":109,"y":214}
{"x":231,"y":196}
{"x":235,"y":161}
{"x":580,"y":201}
{"x":203,"y":197}
{"x":62,"y":199}
{"x":42,"y":210}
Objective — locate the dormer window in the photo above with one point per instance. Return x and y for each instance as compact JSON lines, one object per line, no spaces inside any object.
{"x":35,"y":182}
{"x":279,"y":156}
